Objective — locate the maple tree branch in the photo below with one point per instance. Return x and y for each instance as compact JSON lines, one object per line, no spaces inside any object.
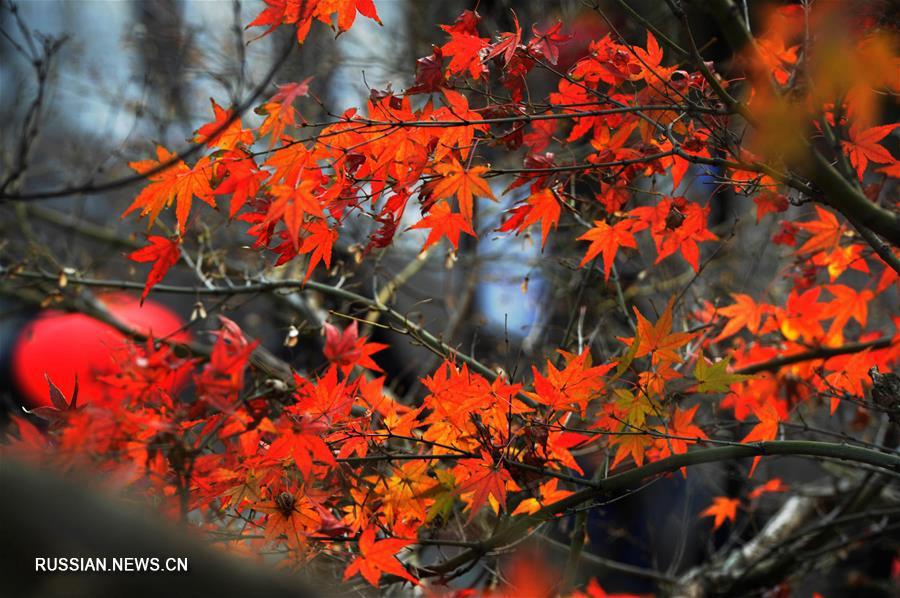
{"x":237,"y":113}
{"x":820,"y":353}
{"x":415,"y":331}
{"x":584,"y":166}
{"x":519,"y":526}
{"x":884,"y":252}
{"x":405,"y":457}
{"x":526,"y":118}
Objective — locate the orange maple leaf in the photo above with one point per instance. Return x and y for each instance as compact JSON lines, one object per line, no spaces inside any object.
{"x":290,"y":164}
{"x":801,"y":315}
{"x":541,"y":206}
{"x":177,"y":182}
{"x":227,"y":138}
{"x":826,"y":232}
{"x":163,"y":252}
{"x":607,"y":239}
{"x":292,"y":204}
{"x":574,"y":385}
{"x":457,"y":136}
{"x":549,"y":494}
{"x":486,"y":479}
{"x":743,"y":312}
{"x":292,"y":515}
{"x":864,"y":147}
{"x":848,"y":303}
{"x":301,"y":13}
{"x":650,"y":60}
{"x":464,"y":183}
{"x":683,"y":426}
{"x":842,"y":257}
{"x":658,"y":338}
{"x":631,"y":444}
{"x":766,"y":429}
{"x":377,"y":558}
{"x":279,"y":115}
{"x":722,"y":508}
{"x":444,"y":222}
{"x":773,"y":485}
{"x":777,"y":58}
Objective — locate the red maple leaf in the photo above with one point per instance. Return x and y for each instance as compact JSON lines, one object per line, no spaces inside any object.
{"x":464,"y":183}
{"x":377,"y":558}
{"x":769,"y":202}
{"x":223,"y":377}
{"x":429,"y":73}
{"x":541,"y":206}
{"x":546,"y":43}
{"x":722,"y":508}
{"x":464,"y":50}
{"x":301,"y":13}
{"x":507,"y":44}
{"x":863,"y":147}
{"x":444,"y":222}
{"x":766,"y":429}
{"x":607,"y":239}
{"x":319,"y":243}
{"x":773,"y":485}
{"x":163,"y":252}
{"x":486,"y":479}
{"x":348,"y":350}
{"x":227,"y":138}
{"x":677,"y":224}
{"x":291,"y":205}
{"x":177,"y":182}
{"x":242,"y":179}
{"x":288,"y":92}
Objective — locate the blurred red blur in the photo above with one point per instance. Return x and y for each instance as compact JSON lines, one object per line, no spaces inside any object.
{"x":63,"y":345}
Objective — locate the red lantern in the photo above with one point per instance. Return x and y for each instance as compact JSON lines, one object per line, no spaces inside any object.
{"x":63,"y":345}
